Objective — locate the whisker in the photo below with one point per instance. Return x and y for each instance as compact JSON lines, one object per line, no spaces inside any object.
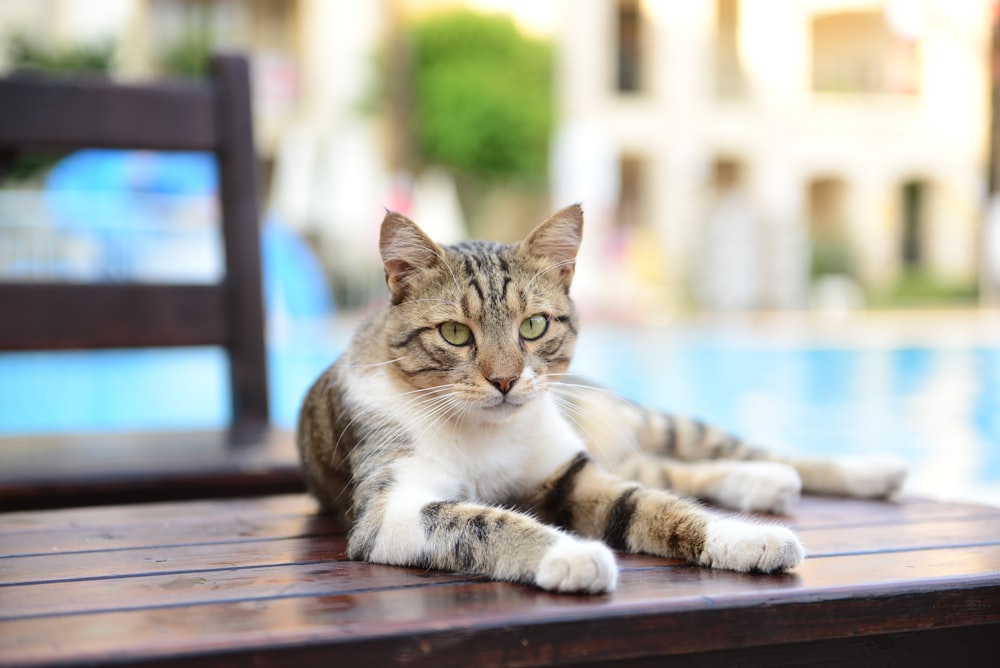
{"x":372,"y":365}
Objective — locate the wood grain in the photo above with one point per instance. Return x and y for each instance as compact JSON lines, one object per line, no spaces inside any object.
{"x":266,"y":581}
{"x":35,"y":113}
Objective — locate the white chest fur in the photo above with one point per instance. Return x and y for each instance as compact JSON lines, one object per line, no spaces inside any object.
{"x":476,"y":460}
{"x":497,"y":461}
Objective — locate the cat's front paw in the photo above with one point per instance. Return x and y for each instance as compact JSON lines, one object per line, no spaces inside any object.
{"x":578,"y":566}
{"x":743,"y":546}
{"x":872,"y":476}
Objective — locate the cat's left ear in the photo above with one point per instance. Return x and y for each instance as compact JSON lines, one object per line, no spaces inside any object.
{"x":556,"y":241}
{"x":406,"y":250}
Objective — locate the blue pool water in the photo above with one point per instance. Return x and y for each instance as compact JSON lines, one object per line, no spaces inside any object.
{"x":937,"y":407}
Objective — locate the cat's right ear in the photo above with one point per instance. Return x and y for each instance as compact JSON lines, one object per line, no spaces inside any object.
{"x":557,"y":240}
{"x":406,"y":250}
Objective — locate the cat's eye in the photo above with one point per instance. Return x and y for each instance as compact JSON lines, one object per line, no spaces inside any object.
{"x":533,"y":327}
{"x":456,"y":333}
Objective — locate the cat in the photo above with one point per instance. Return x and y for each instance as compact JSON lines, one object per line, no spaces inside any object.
{"x":449,"y":435}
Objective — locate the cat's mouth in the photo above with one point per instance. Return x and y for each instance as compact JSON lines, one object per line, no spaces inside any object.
{"x":505,"y":405}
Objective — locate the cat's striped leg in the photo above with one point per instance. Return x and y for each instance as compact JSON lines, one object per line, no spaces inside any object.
{"x":748,"y":486}
{"x":591,"y":502}
{"x":685,"y":455}
{"x":755,"y":473}
{"x":462,"y":537}
{"x":861,"y":476}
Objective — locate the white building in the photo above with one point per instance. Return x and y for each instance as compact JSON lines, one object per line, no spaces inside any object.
{"x":735,"y":134}
{"x":712,"y":142}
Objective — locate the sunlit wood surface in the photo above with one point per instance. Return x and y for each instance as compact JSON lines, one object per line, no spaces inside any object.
{"x":265,"y":582}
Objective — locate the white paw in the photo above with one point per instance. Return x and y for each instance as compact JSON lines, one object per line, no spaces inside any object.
{"x":757,"y":487}
{"x":747,"y":547}
{"x":872,"y":476}
{"x":578,"y":566}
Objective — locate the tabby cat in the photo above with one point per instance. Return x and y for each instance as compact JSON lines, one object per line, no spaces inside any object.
{"x":450,"y":437}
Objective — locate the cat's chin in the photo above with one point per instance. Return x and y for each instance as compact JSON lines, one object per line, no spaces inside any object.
{"x":501,"y":410}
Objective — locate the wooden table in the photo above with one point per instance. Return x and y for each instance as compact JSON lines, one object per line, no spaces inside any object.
{"x":265,"y":582}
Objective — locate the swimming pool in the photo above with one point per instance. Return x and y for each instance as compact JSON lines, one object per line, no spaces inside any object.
{"x":935,"y":405}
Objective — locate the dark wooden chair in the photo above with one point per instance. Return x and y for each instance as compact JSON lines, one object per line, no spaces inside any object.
{"x":214,"y":115}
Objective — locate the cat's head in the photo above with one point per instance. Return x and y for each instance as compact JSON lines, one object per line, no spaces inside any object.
{"x":487,"y":326}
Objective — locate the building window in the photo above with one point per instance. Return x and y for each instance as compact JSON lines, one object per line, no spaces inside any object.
{"x":631,"y":46}
{"x":913,"y":214}
{"x":730,"y":81}
{"x":631,"y":193}
{"x":832,"y":252}
{"x":861,"y":52}
{"x":727,"y":175}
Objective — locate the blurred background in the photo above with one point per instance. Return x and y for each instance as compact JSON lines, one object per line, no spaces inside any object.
{"x":790,"y":228}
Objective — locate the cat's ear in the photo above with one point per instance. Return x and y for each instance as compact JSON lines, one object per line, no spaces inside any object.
{"x":556,"y":241}
{"x":406,"y":250}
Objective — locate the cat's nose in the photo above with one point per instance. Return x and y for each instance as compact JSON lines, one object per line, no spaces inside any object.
{"x":503,"y":384}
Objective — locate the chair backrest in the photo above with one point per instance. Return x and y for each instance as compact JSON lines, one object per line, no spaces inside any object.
{"x":214,"y":116}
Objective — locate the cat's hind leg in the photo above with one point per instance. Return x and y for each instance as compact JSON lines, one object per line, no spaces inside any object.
{"x":619,"y":433}
{"x":860,"y":476}
{"x":594,"y":503}
{"x":756,"y":473}
{"x":748,"y":486}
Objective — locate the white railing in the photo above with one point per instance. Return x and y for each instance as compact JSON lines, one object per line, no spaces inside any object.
{"x":92,"y":236}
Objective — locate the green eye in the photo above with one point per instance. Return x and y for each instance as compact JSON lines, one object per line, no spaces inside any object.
{"x":533,"y":327}
{"x":455,"y":333}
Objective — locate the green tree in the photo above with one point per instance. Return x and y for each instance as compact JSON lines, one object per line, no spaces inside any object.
{"x":24,"y":54}
{"x":482,"y":96}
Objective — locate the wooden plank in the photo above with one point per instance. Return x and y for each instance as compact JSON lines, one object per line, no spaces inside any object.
{"x":668,"y":610}
{"x":238,"y":180}
{"x":207,"y":563}
{"x":188,"y":530}
{"x":78,"y":315}
{"x":972,"y":647}
{"x":315,"y":572}
{"x":279,"y":506}
{"x":320,"y":577}
{"x":182,"y":532}
{"x":26,"y":455}
{"x":176,"y":559}
{"x":251,"y":571}
{"x":116,"y":468}
{"x":35,"y":112}
{"x":916,"y":535}
{"x":209,"y":521}
{"x":824,"y":511}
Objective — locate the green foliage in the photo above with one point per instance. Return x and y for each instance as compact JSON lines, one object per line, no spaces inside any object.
{"x":918,"y":288}
{"x":483,"y":96}
{"x":831,"y":254}
{"x":26,"y":55}
{"x":188,"y":56}
{"x":28,"y":168}
{"x":85,"y":58}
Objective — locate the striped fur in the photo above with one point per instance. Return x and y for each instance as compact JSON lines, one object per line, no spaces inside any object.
{"x":449,"y":436}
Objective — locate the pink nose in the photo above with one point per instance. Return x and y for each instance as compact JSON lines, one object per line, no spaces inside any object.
{"x":503,"y":384}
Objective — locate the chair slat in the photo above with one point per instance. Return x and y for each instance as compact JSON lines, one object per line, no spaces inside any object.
{"x":98,"y":113}
{"x":88,"y":315}
{"x":241,"y":236}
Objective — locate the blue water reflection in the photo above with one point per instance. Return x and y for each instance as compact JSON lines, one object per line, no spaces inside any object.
{"x":938,"y":407}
